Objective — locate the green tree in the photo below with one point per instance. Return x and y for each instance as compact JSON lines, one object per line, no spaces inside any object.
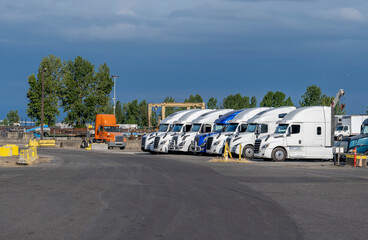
{"x":212,"y":103}
{"x":326,"y":101}
{"x":5,"y":122}
{"x":132,"y":112}
{"x":253,"y":102}
{"x":275,"y":99}
{"x":312,"y":97}
{"x":119,"y":114}
{"x":84,"y":92}
{"x":13,"y":116}
{"x":52,"y":79}
{"x":143,"y":114}
{"x":236,"y":101}
{"x":169,"y":110}
{"x":194,"y":99}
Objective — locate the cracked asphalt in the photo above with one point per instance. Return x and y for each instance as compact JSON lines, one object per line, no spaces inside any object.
{"x":119,"y":195}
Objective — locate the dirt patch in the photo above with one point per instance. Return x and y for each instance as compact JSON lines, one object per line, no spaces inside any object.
{"x":229,"y":160}
{"x":12,"y":161}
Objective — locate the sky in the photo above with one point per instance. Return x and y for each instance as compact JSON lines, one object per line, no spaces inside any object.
{"x":176,"y":48}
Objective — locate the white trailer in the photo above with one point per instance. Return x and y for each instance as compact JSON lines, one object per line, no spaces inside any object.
{"x":262,"y":124}
{"x":216,"y":142}
{"x":184,"y":142}
{"x":182,"y":125}
{"x":165,"y":126}
{"x":350,"y":126}
{"x":303,"y":134}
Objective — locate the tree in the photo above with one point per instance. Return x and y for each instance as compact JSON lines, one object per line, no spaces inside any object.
{"x":5,"y":122}
{"x":212,"y":103}
{"x":52,"y":79}
{"x":236,"y":101}
{"x":170,"y":110}
{"x":275,"y":99}
{"x":13,"y":116}
{"x":253,"y":102}
{"x":119,"y":114}
{"x":312,"y":97}
{"x":194,"y":99}
{"x":143,"y":114}
{"x":84,"y":92}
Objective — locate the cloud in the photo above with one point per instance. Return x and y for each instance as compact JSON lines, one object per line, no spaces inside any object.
{"x":351,"y":14}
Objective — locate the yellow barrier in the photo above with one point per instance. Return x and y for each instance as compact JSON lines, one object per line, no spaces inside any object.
{"x":33,"y":143}
{"x":14,"y":149}
{"x":28,"y":156}
{"x":5,"y":152}
{"x":38,"y":143}
{"x":358,"y":156}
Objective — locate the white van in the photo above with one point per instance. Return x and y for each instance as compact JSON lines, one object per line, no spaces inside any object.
{"x":216,"y":142}
{"x":165,"y":126}
{"x":203,"y":124}
{"x":182,"y":125}
{"x":260,"y":125}
{"x":303,"y":134}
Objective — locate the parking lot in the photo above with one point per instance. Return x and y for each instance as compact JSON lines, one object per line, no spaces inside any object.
{"x":126,"y":195}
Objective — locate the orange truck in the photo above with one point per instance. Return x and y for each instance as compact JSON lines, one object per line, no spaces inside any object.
{"x":107,"y":131}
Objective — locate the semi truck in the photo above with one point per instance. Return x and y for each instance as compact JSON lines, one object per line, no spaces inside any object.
{"x":262,"y":124}
{"x":182,"y":125}
{"x":304,"y":133}
{"x":360,"y":142}
{"x":107,"y":131}
{"x":350,"y":126}
{"x":165,"y":126}
{"x":236,"y":123}
{"x":203,"y":124}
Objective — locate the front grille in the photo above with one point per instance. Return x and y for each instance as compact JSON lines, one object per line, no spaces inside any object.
{"x":209,"y":143}
{"x":257,"y":145}
{"x":156,"y":142}
{"x":119,"y":139}
{"x":175,"y":139}
{"x":196,"y":140}
{"x":144,"y":141}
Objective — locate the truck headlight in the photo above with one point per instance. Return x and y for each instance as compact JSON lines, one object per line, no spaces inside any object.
{"x":265,"y":146}
{"x":182,"y":143}
{"x":163,"y":142}
{"x":216,"y":143}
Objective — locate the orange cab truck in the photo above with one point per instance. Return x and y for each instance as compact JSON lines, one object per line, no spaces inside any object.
{"x":107,"y":131}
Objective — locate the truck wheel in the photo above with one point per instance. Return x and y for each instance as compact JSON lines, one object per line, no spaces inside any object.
{"x":248,"y":152}
{"x":94,"y":140}
{"x":83,"y":144}
{"x":278,"y":155}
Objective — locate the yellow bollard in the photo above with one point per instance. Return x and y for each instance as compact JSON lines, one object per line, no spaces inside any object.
{"x":240,"y":151}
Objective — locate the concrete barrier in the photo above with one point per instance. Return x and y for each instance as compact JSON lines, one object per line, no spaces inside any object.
{"x":28,"y":156}
{"x":99,"y":146}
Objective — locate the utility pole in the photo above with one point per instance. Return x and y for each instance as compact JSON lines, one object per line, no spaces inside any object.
{"x":42,"y":96}
{"x":114,"y":76}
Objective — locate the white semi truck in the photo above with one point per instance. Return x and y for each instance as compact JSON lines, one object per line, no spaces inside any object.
{"x":260,"y":125}
{"x":182,"y":125}
{"x":184,"y":142}
{"x":350,"y":126}
{"x":305,"y":133}
{"x":216,"y":142}
{"x":165,"y":126}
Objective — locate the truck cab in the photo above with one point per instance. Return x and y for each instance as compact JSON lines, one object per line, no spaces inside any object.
{"x":107,"y":131}
{"x":165,"y":126}
{"x":236,"y":122}
{"x":262,"y":124}
{"x":359,"y":142}
{"x":304,"y":133}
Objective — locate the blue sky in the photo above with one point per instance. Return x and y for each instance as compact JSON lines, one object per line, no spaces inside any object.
{"x":174,"y":48}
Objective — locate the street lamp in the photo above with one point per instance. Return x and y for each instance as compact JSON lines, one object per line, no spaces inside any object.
{"x":42,"y":98}
{"x":114,"y":77}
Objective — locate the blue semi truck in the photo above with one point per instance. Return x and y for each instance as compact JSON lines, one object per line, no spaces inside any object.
{"x":359,"y":142}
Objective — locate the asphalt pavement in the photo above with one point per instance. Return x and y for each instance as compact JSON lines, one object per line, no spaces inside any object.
{"x":116,"y":195}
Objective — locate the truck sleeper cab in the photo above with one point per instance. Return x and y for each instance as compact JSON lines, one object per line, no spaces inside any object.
{"x":359,"y":142}
{"x":165,"y":126}
{"x":303,"y":134}
{"x":182,"y":125}
{"x":236,"y":122}
{"x":264,"y":123}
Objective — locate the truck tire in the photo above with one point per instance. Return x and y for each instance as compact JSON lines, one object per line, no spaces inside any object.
{"x":248,"y":152}
{"x":84,"y":143}
{"x":278,"y":154}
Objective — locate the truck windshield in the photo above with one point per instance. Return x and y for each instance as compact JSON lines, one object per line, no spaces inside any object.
{"x":219,"y":127}
{"x":281,"y":128}
{"x":177,"y":128}
{"x":365,"y":129}
{"x":163,"y":127}
{"x":251,"y":127}
{"x":196,"y":127}
{"x":111,"y":129}
{"x":232,"y":127}
{"x":339,"y":128}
